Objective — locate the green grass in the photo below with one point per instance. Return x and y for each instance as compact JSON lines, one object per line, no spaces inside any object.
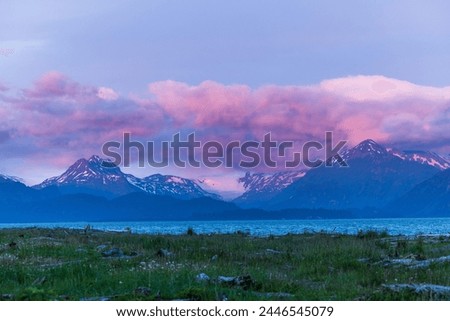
{"x":64,"y":264}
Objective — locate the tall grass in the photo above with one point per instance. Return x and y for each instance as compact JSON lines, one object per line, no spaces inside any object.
{"x":64,"y":264}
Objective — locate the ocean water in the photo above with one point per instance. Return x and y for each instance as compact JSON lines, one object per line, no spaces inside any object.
{"x":394,"y":226}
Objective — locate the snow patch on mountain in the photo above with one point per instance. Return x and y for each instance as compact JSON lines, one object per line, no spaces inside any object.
{"x":170,"y":185}
{"x":262,"y":181}
{"x":263,"y":186}
{"x":422,"y":157}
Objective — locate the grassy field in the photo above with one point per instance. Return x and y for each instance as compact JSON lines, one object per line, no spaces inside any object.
{"x":64,"y":264}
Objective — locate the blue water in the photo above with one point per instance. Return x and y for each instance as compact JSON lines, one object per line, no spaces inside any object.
{"x":395,"y":226}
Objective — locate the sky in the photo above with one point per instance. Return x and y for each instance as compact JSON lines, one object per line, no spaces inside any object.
{"x":76,"y":74}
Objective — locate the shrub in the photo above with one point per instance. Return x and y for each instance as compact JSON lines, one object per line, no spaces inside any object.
{"x":190,"y":231}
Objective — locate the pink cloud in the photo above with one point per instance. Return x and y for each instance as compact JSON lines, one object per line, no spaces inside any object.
{"x":107,"y":93}
{"x":54,"y":84}
{"x":207,"y":104}
{"x":380,"y":88}
{"x":58,"y":119}
{"x":355,"y":108}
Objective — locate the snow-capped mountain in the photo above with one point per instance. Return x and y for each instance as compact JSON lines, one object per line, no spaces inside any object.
{"x":373,"y":178}
{"x":92,"y":176}
{"x":12,"y":189}
{"x":100,"y":177}
{"x":260,"y":187}
{"x":367,"y":161}
{"x":370,"y":147}
{"x":169,"y":185}
{"x":85,"y":171}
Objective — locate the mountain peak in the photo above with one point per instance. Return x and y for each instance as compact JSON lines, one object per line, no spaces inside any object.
{"x":366,"y":148}
{"x":95,"y":159}
{"x":370,"y":145}
{"x":94,"y":163}
{"x":91,"y":174}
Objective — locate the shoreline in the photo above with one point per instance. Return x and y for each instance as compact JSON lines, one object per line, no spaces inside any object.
{"x":414,"y":227}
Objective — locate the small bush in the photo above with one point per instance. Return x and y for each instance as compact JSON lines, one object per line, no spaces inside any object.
{"x":401,"y":248}
{"x":418,"y":247}
{"x":190,"y":231}
{"x":242,"y":233}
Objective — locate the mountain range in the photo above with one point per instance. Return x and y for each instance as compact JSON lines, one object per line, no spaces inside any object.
{"x":378,"y":181}
{"x":100,"y":177}
{"x":374,"y":177}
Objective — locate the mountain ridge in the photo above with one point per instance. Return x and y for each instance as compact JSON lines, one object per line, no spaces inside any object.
{"x":379,"y":182}
{"x":373,"y":178}
{"x":100,"y":177}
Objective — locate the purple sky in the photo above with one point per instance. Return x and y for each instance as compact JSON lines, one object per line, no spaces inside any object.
{"x":75,"y":74}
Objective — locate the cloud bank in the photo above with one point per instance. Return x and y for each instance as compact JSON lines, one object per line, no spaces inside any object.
{"x":58,"y":120}
{"x":354,"y":108}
